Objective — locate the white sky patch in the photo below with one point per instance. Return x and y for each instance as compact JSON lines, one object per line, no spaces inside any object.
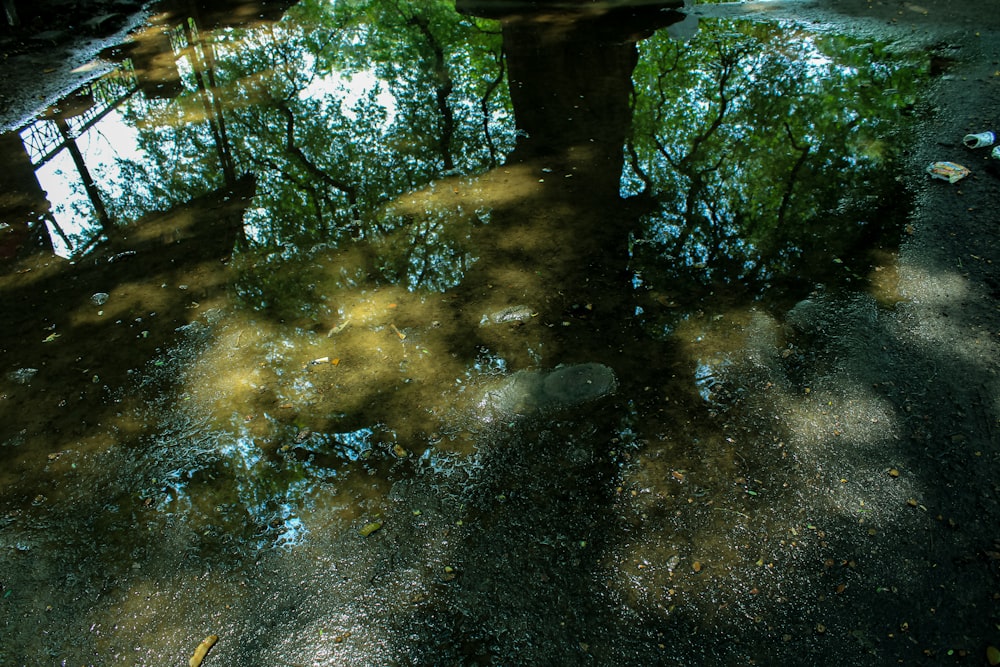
{"x":100,"y":145}
{"x":348,"y":89}
{"x":57,"y":178}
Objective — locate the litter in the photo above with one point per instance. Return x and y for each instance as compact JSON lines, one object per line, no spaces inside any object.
{"x":947,"y":171}
{"x":340,"y":327}
{"x":979,"y":140}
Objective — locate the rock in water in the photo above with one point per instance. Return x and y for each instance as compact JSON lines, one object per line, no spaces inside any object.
{"x":530,"y":392}
{"x":510,"y":315}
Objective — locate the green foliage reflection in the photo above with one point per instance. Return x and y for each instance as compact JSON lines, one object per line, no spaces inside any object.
{"x":765,"y":152}
{"x":337,"y":109}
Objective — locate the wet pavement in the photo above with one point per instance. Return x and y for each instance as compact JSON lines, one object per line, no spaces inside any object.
{"x":390,"y":333}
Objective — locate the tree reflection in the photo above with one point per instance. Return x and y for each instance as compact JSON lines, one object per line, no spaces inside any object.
{"x":407,"y":196}
{"x":736,"y":140}
{"x":341,"y":108}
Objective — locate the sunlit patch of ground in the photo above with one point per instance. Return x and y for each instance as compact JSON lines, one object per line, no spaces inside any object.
{"x":940,"y":295}
{"x":744,"y":523}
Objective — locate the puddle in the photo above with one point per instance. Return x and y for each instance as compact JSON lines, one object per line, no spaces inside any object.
{"x":389,"y":334}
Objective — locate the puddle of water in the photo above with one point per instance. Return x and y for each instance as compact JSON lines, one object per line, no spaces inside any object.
{"x":267,"y":284}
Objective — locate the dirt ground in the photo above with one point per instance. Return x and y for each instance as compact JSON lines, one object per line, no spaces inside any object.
{"x":948,"y":274}
{"x":947,"y":270}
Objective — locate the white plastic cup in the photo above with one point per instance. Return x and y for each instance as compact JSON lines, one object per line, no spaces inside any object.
{"x":980,"y":140}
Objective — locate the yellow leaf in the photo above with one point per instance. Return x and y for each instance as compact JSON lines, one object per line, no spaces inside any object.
{"x":993,"y":655}
{"x":202,"y":650}
{"x":369,"y":528}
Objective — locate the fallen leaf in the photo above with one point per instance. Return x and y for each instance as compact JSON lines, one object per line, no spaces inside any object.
{"x":369,"y":528}
{"x":202,"y":650}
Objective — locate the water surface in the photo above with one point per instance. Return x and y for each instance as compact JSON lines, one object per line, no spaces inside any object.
{"x":381,"y":333}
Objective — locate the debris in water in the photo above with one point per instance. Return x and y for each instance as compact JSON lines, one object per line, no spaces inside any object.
{"x":120,"y":256}
{"x":893,"y":472}
{"x":51,"y":337}
{"x":993,"y":655}
{"x":400,"y":451}
{"x":22,"y":375}
{"x":511,"y":315}
{"x":202,"y":650}
{"x":947,"y":171}
{"x":400,"y":334}
{"x":100,"y":298}
{"x":369,"y":528}
{"x":340,"y":327}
